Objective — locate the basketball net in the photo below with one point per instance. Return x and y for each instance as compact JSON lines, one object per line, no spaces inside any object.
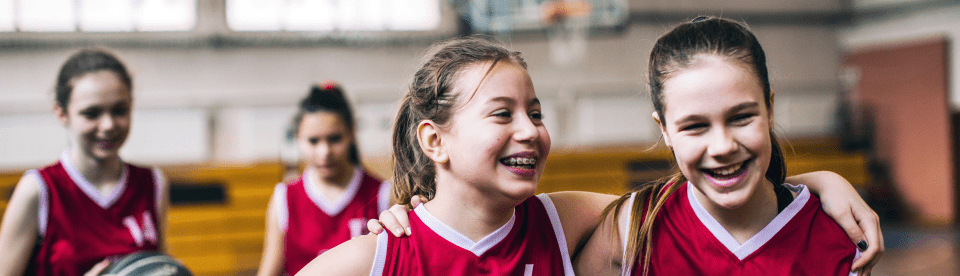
{"x":567,"y":24}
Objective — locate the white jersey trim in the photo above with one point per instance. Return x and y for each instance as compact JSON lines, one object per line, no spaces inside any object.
{"x":43,"y":208}
{"x":758,"y":240}
{"x":88,"y":188}
{"x":383,"y":196}
{"x":624,"y":235}
{"x":380,"y":259}
{"x":558,"y":231}
{"x":158,"y":184}
{"x":280,"y":208}
{"x":325,"y":205}
{"x":454,"y":237}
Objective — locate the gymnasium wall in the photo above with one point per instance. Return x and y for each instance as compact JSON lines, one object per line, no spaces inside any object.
{"x":231,"y":104}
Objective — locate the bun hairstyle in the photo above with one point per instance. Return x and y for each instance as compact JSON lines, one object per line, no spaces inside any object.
{"x":676,"y":50}
{"x":84,"y":62}
{"x":326,"y":97}
{"x":432,"y":95}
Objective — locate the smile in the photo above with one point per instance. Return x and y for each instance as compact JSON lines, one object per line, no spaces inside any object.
{"x":522,"y":164}
{"x":729,"y":175}
{"x":519,"y":162}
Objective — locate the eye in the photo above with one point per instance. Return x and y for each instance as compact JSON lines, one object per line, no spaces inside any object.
{"x":335,"y":139}
{"x":313,"y":140}
{"x":503,"y":113}
{"x":536,"y":115}
{"x":694,"y":127}
{"x":742,"y":118}
{"x":90,"y":114}
{"x":120,"y":111}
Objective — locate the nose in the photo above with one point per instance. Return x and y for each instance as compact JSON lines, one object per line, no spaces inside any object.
{"x":107,"y":122}
{"x":722,"y":144}
{"x":525,"y":130}
{"x":323,"y":150}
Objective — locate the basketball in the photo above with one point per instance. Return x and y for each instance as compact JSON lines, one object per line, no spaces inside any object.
{"x":146,"y":263}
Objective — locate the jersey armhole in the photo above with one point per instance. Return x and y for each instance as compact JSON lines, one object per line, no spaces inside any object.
{"x":43,"y":203}
{"x":623,"y":232}
{"x":380,"y":258}
{"x":159,"y":185}
{"x":280,"y":206}
{"x":383,"y":196}
{"x":557,"y":231}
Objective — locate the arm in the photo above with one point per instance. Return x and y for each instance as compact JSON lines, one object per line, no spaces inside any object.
{"x":271,"y":262}
{"x":20,"y":227}
{"x":603,"y":252}
{"x":354,"y":257}
{"x":579,"y":214}
{"x":843,"y":203}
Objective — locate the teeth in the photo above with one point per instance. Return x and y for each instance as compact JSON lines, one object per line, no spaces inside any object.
{"x":513,"y":161}
{"x":729,"y":170}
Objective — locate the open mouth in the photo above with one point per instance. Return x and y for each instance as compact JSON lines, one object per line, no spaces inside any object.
{"x":728,"y":172}
{"x":524,"y":163}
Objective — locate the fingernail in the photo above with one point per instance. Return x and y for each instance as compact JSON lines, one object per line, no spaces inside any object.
{"x":379,"y":231}
{"x":862,"y":245}
{"x":408,"y":231}
{"x":398,"y":232}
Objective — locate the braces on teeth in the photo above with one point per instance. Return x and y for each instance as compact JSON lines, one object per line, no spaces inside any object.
{"x":520,"y":161}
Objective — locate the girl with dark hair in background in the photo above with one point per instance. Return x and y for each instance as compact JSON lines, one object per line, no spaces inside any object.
{"x":333,"y":199}
{"x":728,"y":211}
{"x":91,"y":205}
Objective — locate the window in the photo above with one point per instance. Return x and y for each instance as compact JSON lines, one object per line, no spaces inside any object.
{"x":97,"y":15}
{"x":332,"y":15}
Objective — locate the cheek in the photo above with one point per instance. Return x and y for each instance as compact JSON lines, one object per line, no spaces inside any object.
{"x":687,"y":151}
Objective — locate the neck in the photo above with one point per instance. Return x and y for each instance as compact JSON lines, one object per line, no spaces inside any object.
{"x":97,"y":171}
{"x":468,"y":210}
{"x":747,"y":220}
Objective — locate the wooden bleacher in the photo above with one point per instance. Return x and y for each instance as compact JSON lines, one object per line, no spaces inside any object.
{"x":227,"y":238}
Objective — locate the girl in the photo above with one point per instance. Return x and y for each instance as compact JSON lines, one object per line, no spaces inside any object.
{"x":469,"y":137}
{"x":728,"y":212}
{"x":90,"y":205}
{"x":333,"y":199}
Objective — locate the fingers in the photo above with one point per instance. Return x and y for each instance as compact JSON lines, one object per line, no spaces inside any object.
{"x":850,"y":226}
{"x":97,"y":268}
{"x":401,"y":217}
{"x":374,"y":226}
{"x":870,"y":224}
{"x":417,"y":200}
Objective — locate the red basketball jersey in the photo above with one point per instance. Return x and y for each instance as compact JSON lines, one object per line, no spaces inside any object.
{"x":531,"y":243}
{"x":801,"y":240}
{"x":79,"y":227}
{"x":313,"y":224}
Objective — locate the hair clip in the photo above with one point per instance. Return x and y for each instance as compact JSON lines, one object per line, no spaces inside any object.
{"x":328,"y":85}
{"x":699,"y":18}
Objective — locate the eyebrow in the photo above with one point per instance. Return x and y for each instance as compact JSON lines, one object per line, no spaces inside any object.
{"x":508,"y":100}
{"x":734,"y":109}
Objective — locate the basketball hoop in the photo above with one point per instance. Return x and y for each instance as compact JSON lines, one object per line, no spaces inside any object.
{"x":567,"y":24}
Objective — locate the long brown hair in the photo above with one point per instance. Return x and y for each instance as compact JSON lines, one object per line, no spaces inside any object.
{"x":674,"y":51}
{"x":432,"y":96}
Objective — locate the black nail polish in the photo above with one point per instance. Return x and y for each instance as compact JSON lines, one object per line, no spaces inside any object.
{"x":862,"y":245}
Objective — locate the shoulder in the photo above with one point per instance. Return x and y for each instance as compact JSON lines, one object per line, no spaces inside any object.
{"x":353,"y":257}
{"x":29,"y":186}
{"x":579,"y":214}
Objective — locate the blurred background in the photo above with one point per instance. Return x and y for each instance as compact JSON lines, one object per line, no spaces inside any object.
{"x":865,"y":88}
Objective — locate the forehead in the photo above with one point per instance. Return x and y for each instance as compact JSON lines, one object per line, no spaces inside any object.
{"x":99,"y":88}
{"x":479,"y":83}
{"x":322,"y":122}
{"x":712,"y":84}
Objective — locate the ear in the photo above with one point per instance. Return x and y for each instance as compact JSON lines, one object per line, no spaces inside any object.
{"x":428,"y":135}
{"x":663,"y":130}
{"x":61,"y":114}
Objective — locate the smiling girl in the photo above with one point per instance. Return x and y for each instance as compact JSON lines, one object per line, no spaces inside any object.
{"x":728,"y":211}
{"x":90,"y":205}
{"x":333,"y":199}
